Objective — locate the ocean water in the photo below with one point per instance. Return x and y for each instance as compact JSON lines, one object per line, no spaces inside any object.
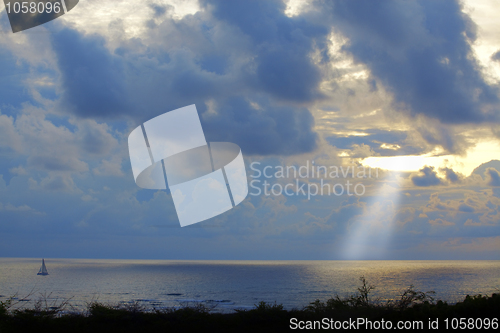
{"x":230,"y":285}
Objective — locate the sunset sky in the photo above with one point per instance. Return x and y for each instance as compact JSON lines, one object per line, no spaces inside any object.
{"x":407,"y":88}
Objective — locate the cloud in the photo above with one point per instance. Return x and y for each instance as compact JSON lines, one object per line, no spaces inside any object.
{"x":159,"y":10}
{"x":496,"y":56}
{"x":461,"y":248}
{"x":429,"y":177}
{"x":440,"y":222}
{"x":421,"y":52}
{"x":452,"y":176}
{"x":381,"y":142}
{"x":234,"y":55}
{"x":257,"y":78}
{"x":50,"y":156}
{"x":12,"y":74}
{"x":249,"y":86}
{"x":57,"y":182}
{"x":92,"y":78}
{"x":492,"y":176}
{"x":481,"y":170}
{"x":9,"y":138}
{"x":282,"y":46}
{"x":18,"y":170}
{"x":442,"y":135}
{"x":47,"y":147}
{"x":95,"y":138}
{"x":10,"y":207}
{"x":266,"y":129}
{"x":466,"y":208}
{"x":110,"y":167}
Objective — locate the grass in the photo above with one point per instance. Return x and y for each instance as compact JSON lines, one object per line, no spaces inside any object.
{"x":411,"y":305}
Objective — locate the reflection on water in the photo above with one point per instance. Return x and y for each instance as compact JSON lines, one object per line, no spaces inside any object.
{"x":238,"y":284}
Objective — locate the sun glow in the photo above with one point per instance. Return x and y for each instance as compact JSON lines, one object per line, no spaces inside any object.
{"x":483,"y":152}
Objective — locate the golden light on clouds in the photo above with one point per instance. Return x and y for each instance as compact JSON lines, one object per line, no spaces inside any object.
{"x":96,"y":16}
{"x":483,"y":152}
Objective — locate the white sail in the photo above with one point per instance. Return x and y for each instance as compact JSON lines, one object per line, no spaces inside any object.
{"x":43,"y":269}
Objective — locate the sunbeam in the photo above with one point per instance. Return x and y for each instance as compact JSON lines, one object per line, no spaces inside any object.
{"x":370,"y":233}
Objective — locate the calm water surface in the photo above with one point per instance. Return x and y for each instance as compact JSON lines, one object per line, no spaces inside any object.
{"x":236,"y":284}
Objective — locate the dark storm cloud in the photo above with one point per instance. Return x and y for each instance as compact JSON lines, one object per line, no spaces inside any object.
{"x":256,"y":122}
{"x":233,"y":55}
{"x":428,"y":178}
{"x":444,"y":136}
{"x":282,"y":45}
{"x":375,"y":140}
{"x":93,"y":79}
{"x":280,"y":129}
{"x":420,"y":51}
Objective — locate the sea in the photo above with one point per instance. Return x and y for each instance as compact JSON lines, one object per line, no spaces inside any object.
{"x":226,"y":286}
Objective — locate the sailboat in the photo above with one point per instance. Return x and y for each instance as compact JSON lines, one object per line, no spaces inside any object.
{"x":43,"y":269}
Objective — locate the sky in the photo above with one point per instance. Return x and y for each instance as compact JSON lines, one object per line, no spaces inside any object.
{"x":398,"y":100}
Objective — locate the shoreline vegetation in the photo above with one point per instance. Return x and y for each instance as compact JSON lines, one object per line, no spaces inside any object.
{"x":411,"y":306}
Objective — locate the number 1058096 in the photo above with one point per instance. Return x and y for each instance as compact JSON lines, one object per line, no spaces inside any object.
{"x":26,"y":7}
